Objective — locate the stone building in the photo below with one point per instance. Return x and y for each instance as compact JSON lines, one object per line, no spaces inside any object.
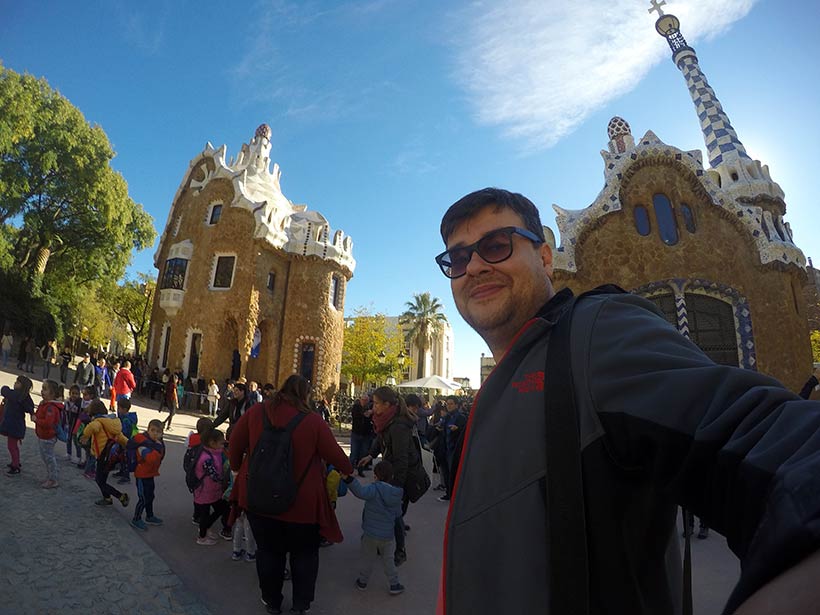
{"x":708,"y":245}
{"x":249,"y":283}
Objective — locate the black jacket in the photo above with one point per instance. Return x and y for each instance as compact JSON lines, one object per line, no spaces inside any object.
{"x":361,"y":424}
{"x":660,"y":426}
{"x":395,"y":444}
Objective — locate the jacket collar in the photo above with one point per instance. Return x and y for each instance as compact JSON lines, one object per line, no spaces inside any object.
{"x":553,"y":308}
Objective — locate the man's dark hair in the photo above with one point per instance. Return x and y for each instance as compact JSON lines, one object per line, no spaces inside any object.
{"x":383,"y":471}
{"x":467,"y":206}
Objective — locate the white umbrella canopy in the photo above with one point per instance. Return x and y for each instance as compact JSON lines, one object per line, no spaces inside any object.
{"x":431,"y":382}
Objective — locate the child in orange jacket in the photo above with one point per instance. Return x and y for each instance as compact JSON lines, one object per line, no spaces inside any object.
{"x":149,"y":450}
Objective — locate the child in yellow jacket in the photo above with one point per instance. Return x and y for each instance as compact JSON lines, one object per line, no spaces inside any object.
{"x":103,"y":433}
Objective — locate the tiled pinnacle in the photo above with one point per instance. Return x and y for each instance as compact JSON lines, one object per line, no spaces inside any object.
{"x":721,"y":139}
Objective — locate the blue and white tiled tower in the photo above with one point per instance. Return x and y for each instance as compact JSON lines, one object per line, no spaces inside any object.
{"x":734,"y":169}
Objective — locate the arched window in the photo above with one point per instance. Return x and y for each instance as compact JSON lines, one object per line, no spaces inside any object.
{"x":712,"y":328}
{"x":307,"y":360}
{"x":666,"y":219}
{"x":688,"y":217}
{"x":642,"y":220}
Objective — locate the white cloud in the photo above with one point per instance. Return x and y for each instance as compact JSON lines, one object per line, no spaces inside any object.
{"x":538,"y":69}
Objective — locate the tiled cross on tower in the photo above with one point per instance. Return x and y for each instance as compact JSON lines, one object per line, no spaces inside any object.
{"x":722,"y":143}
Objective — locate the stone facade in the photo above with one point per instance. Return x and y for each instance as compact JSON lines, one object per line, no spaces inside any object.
{"x":239,"y":261}
{"x":709,"y":246}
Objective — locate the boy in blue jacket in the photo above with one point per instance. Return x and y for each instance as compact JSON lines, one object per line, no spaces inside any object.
{"x":382,"y":507}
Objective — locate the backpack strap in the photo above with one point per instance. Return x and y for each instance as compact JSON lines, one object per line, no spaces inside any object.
{"x":567,"y":565}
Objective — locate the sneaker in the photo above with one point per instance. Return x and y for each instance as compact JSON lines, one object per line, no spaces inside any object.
{"x":396,"y":589}
{"x":361,"y":584}
{"x":250,"y":557}
{"x":212,"y":534}
{"x":225,"y":534}
{"x":207,"y":541}
{"x":237,"y":555}
{"x":194,"y":520}
{"x":104,"y":502}
{"x":13,"y":471}
{"x":50,"y":484}
{"x":444,"y":498}
{"x":400,"y":557}
{"x":153,"y":521}
{"x":325,"y":543}
{"x":123,"y":500}
{"x":139,"y":524}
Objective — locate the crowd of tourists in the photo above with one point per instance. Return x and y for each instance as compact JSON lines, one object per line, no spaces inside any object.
{"x":222,"y":462}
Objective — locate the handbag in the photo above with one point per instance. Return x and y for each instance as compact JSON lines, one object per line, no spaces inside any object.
{"x":418,"y":481}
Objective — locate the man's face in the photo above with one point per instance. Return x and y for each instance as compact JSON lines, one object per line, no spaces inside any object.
{"x":364,"y":400}
{"x":497,"y":299}
{"x":451,"y":405}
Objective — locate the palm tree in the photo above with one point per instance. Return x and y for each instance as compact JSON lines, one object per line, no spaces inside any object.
{"x":423,"y":320}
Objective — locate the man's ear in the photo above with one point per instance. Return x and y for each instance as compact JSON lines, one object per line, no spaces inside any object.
{"x":546,"y":258}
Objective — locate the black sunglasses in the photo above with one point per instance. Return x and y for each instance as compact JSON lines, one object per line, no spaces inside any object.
{"x":495,"y":247}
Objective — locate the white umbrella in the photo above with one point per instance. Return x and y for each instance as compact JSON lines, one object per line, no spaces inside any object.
{"x":431,"y":382}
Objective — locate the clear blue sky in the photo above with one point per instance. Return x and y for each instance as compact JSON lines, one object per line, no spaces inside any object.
{"x":384,"y":112}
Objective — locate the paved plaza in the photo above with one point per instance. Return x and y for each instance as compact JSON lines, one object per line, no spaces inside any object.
{"x":61,"y":553}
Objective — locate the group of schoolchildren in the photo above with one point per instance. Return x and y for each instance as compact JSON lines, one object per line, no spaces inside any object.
{"x":112,"y":441}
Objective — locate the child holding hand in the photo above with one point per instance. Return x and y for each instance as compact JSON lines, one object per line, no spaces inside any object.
{"x":382,"y":506}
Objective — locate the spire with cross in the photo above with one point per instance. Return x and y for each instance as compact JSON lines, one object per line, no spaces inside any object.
{"x":722,"y":143}
{"x":656,"y":6}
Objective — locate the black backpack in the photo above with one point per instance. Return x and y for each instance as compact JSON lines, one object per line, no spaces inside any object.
{"x":271,"y":487}
{"x":189,"y":462}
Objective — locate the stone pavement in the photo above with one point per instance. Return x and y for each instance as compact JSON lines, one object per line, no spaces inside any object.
{"x":60,"y":553}
{"x":74,"y":552}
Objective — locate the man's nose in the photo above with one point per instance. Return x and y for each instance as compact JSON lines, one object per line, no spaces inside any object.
{"x":476,"y":264}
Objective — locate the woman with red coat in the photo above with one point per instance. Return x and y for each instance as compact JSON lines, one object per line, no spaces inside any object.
{"x":311,"y":518}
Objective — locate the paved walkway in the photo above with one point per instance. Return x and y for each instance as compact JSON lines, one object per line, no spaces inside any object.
{"x":61,"y":554}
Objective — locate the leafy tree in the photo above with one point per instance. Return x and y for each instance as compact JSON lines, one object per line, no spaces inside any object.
{"x":56,"y":182}
{"x":815,"y":346}
{"x":131,"y":302}
{"x":366,"y":336}
{"x":423,"y":320}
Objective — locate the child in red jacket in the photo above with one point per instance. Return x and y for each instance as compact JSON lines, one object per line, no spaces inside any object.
{"x":46,"y":418}
{"x":150,"y":450}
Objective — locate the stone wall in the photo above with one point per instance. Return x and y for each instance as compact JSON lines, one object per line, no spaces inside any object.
{"x":719,"y":251}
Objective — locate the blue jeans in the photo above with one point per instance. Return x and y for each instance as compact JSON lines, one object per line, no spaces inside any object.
{"x":359,"y":447}
{"x":5,"y":357}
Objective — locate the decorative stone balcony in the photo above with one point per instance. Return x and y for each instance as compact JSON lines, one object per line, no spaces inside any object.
{"x":170,"y":300}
